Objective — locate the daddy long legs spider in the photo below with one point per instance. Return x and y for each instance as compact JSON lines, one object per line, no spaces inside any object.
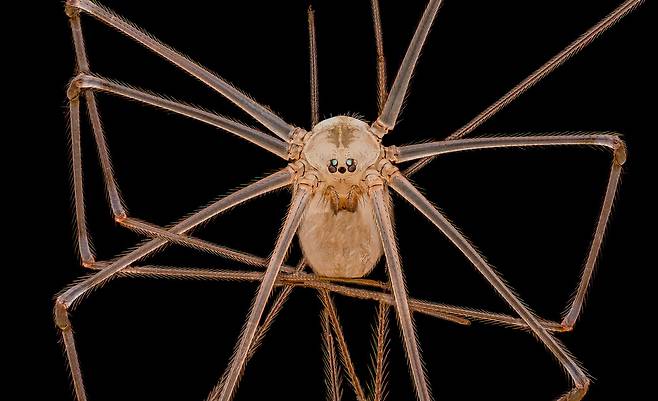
{"x":317,"y":171}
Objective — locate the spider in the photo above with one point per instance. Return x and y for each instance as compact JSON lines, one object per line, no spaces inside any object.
{"x":341,"y":176}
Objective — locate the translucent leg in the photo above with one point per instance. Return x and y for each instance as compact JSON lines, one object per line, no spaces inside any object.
{"x":577,"y":374}
{"x":571,"y":50}
{"x":82,"y":66}
{"x":274,"y":145}
{"x":331,"y":368}
{"x":383,"y":218}
{"x":68,"y":298}
{"x":381,"y":351}
{"x":332,"y":314}
{"x":611,"y":141}
{"x":84,"y":243}
{"x":273,"y":122}
{"x":389,"y":114}
{"x":381,"y":60}
{"x":224,"y":391}
{"x":421,"y":150}
{"x":450,"y":313}
{"x":315,"y":99}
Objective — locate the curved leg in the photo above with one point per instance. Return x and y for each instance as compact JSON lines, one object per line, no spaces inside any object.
{"x":543,"y":71}
{"x":118,"y":209}
{"x":577,"y":374}
{"x":611,"y":141}
{"x":95,"y":83}
{"x":67,"y":299}
{"x":273,"y":122}
{"x":74,"y":93}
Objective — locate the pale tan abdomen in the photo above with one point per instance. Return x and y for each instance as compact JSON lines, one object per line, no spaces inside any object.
{"x":344,"y":245}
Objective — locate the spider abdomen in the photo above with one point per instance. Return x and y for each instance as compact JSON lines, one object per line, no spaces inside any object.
{"x":342,"y":244}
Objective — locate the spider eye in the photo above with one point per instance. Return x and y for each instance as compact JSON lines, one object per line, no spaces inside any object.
{"x":351,"y":165}
{"x":332,"y":165}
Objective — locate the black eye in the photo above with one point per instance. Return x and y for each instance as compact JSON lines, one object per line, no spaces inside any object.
{"x":351,"y":165}
{"x":332,"y":165}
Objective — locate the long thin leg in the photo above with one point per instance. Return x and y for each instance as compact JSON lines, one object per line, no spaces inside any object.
{"x":82,"y":66}
{"x":451,"y":313}
{"x":381,"y":351}
{"x":66,"y":300}
{"x":315,"y":99}
{"x":611,"y":141}
{"x":422,"y":150}
{"x":579,"y":377}
{"x":571,"y":316}
{"x":266,"y":117}
{"x":383,"y":218}
{"x":225,"y":389}
{"x":96,"y":83}
{"x":381,"y":61}
{"x":84,"y":243}
{"x":575,"y":47}
{"x":276,"y":307}
{"x":332,"y":314}
{"x":389,"y":115}
{"x":331,"y":369}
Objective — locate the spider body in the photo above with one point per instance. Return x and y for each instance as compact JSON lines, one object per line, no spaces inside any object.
{"x":338,"y":232}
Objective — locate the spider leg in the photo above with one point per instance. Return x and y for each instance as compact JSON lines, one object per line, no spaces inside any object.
{"x":225,"y":389}
{"x":315,"y":98}
{"x":332,"y":314}
{"x":389,"y":115}
{"x":266,"y":117}
{"x":401,"y":185}
{"x":89,"y":82}
{"x":385,"y":225}
{"x":450,"y":313}
{"x":331,"y":369}
{"x":557,"y":60}
{"x":82,"y":66}
{"x":65,"y":302}
{"x":381,"y":351}
{"x":611,"y":141}
{"x":83,"y":81}
{"x":277,"y":305}
{"x":381,"y":61}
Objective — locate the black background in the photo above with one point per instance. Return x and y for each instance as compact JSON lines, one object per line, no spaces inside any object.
{"x":531,"y":212}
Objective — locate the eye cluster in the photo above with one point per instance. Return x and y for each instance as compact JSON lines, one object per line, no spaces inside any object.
{"x":333,"y":166}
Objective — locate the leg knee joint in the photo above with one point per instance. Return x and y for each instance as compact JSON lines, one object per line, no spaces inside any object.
{"x":620,"y":152}
{"x":61,"y":314}
{"x":75,"y":87}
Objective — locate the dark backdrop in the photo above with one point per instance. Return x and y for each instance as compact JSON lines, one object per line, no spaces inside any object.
{"x":531,"y":212}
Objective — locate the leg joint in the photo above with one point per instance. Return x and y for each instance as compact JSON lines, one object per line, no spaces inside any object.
{"x":61,"y":314}
{"x":72,"y":9}
{"x":75,"y":87}
{"x":620,"y":151}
